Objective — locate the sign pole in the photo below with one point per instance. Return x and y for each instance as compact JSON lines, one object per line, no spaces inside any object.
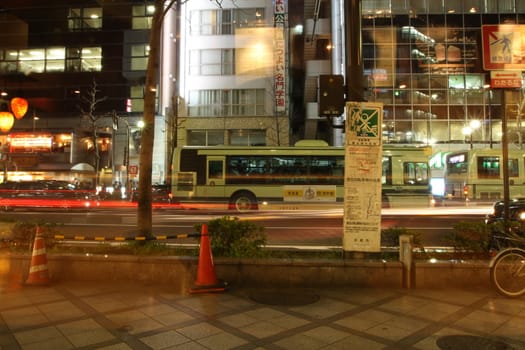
{"x":505,"y":157}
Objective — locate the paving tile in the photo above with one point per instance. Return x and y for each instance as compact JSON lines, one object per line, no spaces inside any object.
{"x":222,"y":341}
{"x":482,"y":321}
{"x":174,"y":318}
{"x":324,"y":308}
{"x":199,"y":331}
{"x":300,"y":341}
{"x":354,"y":342}
{"x":165,"y":340}
{"x":262,"y":329}
{"x":24,"y":317}
{"x":101,"y":316}
{"x":37,"y":335}
{"x":60,"y":310}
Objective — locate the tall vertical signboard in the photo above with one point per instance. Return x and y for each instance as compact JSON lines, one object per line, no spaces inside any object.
{"x":363,"y":170}
{"x":504,"y":53}
{"x":280,"y":55}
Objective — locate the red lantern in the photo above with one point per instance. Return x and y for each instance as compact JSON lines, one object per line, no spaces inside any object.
{"x":19,"y":107}
{"x":6,"y":121}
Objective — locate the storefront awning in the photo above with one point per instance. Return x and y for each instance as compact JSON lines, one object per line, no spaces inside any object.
{"x":84,"y":167}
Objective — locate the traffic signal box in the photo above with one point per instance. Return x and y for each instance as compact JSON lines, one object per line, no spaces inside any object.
{"x":331,"y":99}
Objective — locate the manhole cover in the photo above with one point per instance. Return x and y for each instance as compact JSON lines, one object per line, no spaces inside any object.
{"x":284,"y":298}
{"x":470,"y":342}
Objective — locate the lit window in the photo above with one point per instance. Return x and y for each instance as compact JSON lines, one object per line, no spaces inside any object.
{"x":224,"y":103}
{"x":212,"y":62}
{"x":225,"y":21}
{"x":91,"y":58}
{"x":139,"y":57}
{"x":89,"y":18}
{"x":32,"y":61}
{"x":55,"y":59}
{"x":137,"y":98}
{"x":142,"y":16}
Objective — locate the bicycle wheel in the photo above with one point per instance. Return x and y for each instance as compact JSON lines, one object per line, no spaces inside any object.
{"x":508,"y":273}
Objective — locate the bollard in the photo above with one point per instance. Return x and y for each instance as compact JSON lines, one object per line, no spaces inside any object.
{"x":405,"y":256}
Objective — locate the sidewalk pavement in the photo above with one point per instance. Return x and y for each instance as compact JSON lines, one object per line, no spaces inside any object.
{"x":111,"y":315}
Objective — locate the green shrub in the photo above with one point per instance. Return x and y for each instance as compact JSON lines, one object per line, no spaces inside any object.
{"x":231,"y":237}
{"x":470,"y":236}
{"x":23,"y":234}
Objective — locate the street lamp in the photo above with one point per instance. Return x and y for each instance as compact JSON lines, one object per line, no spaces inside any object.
{"x":468,"y":130}
{"x":35,"y":118}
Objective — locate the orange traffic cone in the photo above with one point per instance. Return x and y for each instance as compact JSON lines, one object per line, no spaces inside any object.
{"x":206,"y":278}
{"x":38,"y":271}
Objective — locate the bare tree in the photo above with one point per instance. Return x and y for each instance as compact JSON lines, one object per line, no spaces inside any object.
{"x":173,"y":124}
{"x":89,"y":114}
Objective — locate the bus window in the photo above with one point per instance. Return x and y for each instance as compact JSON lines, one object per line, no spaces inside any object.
{"x":415,"y":173}
{"x":488,"y":167}
{"x":185,"y":181}
{"x":215,"y":169}
{"x":513,"y":168}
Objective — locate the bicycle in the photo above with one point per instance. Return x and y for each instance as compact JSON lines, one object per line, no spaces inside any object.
{"x":507,"y":267}
{"x":507,"y":272}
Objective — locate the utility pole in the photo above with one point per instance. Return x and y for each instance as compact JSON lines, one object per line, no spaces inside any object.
{"x":353,"y":51}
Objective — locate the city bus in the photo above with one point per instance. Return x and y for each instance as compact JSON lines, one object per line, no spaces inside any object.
{"x":248,"y":178}
{"x":476,"y":174}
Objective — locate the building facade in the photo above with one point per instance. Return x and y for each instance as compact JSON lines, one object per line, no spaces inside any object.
{"x":424,"y":61}
{"x":233,"y":72}
{"x":81,"y":65}
{"x":247,"y":73}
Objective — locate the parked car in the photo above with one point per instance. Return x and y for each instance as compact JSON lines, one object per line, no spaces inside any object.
{"x":160,"y":193}
{"x":514,"y":232}
{"x":44,"y":193}
{"x":516,"y":211}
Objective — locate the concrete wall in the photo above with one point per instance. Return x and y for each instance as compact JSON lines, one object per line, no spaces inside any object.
{"x":181,"y":272}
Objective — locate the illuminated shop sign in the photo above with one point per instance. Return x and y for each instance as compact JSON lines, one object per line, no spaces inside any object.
{"x":30,"y":142}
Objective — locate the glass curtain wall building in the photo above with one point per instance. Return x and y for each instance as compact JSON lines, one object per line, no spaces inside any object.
{"x":423,"y":60}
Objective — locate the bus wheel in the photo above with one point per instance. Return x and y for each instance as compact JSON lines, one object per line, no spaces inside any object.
{"x":243,"y":201}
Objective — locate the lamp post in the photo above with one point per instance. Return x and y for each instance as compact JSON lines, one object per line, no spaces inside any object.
{"x":125,"y":159}
{"x":35,"y":118}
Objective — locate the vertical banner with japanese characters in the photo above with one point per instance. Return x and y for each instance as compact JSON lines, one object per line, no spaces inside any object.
{"x":280,"y":18}
{"x":363,"y":170}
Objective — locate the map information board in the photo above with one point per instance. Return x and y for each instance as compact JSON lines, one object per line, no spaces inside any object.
{"x":363,"y":171}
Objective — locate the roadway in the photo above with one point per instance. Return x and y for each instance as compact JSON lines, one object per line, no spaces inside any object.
{"x":293,"y":227}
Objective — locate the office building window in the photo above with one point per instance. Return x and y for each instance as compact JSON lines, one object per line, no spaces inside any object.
{"x":137,"y":98}
{"x":225,"y":21}
{"x":205,"y":137}
{"x":32,"y":61}
{"x":89,"y":18}
{"x":55,"y":59}
{"x":247,"y":137}
{"x":225,"y":103}
{"x":52,"y":59}
{"x":142,"y":16}
{"x":212,"y":62}
{"x":139,"y":57}
{"x":91,"y":59}
{"x":87,"y":59}
{"x":235,"y":137}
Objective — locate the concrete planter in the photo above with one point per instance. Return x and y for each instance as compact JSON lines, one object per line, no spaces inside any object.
{"x":180,"y":272}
